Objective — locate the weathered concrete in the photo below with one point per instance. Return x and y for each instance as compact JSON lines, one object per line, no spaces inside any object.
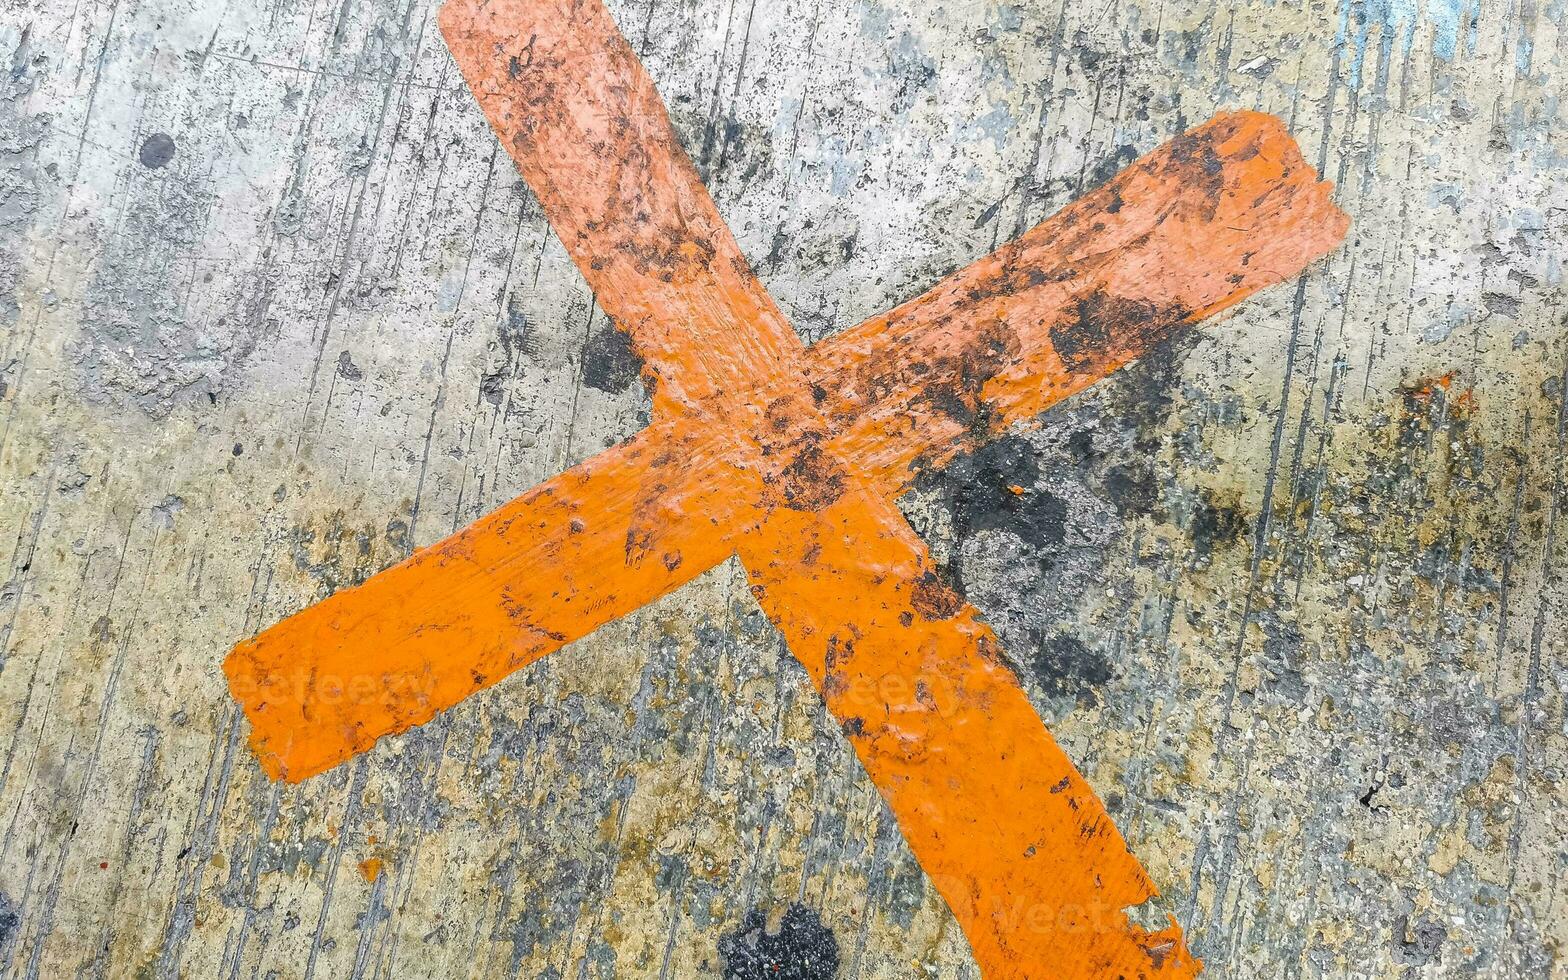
{"x":276,"y":309}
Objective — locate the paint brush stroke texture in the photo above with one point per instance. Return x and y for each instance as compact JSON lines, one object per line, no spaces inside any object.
{"x":792,"y":458}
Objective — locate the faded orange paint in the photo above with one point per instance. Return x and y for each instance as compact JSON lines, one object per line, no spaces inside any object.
{"x":792,"y":458}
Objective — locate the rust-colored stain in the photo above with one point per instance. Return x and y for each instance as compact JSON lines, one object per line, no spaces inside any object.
{"x":793,"y":458}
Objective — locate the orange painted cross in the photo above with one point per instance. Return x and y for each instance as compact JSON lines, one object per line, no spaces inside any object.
{"x":792,"y":458}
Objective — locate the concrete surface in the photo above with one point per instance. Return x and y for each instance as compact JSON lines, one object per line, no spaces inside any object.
{"x":276,"y":310}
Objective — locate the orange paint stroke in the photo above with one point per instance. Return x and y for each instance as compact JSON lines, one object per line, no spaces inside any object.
{"x":792,"y":458}
{"x":1006,"y":829}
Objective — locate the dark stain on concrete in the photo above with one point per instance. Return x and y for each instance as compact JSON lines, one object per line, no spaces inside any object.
{"x":10,"y":920}
{"x":1139,"y":401}
{"x":802,"y":948}
{"x":610,"y":364}
{"x":1109,"y":167}
{"x":156,"y":152}
{"x":515,"y":331}
{"x":1064,"y":666}
{"x":1217,"y":522}
{"x":994,"y":489}
{"x":347,"y":369}
{"x":736,"y":149}
{"x":336,"y":553}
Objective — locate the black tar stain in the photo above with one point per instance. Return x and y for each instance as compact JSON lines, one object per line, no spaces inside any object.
{"x":802,"y":948}
{"x":609,"y":362}
{"x":994,"y":489}
{"x":1064,"y":666}
{"x":157,"y":151}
